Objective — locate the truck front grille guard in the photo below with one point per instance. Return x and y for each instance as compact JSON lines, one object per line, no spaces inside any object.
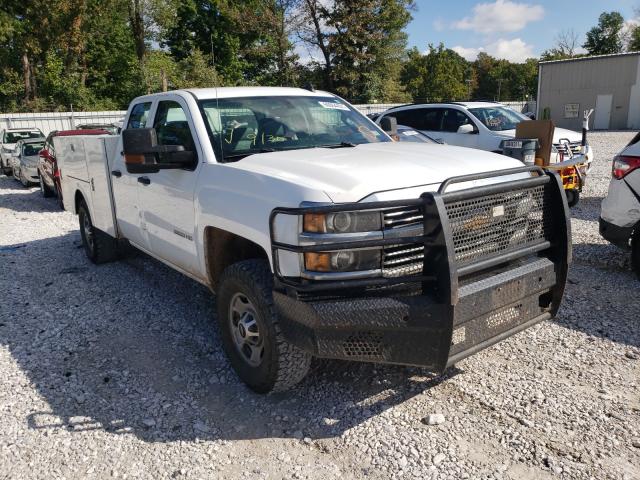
{"x":465,"y":232}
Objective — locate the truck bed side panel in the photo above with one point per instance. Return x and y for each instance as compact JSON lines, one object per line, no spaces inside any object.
{"x":98,"y":149}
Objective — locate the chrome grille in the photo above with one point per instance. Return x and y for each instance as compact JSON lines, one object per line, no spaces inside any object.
{"x":401,"y":260}
{"x":497,"y":223}
{"x":402,"y":217}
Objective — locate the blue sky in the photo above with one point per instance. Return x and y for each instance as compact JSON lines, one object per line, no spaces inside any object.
{"x":511,"y":29}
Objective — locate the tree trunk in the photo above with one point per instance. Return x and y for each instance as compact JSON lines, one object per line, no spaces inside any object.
{"x":163,"y":80}
{"x":26,"y":72}
{"x":312,"y":7}
{"x":137,"y":28}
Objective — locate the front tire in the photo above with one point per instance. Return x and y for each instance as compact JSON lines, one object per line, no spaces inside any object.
{"x":99,"y":247}
{"x":251,"y":333}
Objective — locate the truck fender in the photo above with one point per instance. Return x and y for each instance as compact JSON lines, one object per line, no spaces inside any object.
{"x":222,"y":249}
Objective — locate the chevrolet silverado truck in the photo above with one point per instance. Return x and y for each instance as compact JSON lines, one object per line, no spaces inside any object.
{"x":319,"y":235}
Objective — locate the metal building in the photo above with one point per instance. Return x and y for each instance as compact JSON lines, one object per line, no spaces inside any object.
{"x":610,"y":84}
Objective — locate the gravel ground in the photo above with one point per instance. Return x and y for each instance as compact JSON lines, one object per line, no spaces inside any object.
{"x":117,"y":371}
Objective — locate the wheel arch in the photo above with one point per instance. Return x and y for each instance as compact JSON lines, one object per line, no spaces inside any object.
{"x":223,"y":248}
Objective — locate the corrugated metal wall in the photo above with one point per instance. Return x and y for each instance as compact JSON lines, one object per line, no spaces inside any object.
{"x":581,"y":81}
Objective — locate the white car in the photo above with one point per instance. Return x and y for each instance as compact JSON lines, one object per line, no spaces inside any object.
{"x":319,"y":234}
{"x":8,"y":139}
{"x":620,"y":210}
{"x":481,"y":125}
{"x":24,"y":162}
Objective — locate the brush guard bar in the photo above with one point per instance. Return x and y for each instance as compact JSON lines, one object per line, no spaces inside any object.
{"x":482,"y":279}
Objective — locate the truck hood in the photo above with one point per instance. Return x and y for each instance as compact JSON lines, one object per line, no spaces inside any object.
{"x":351,"y":174}
{"x":559,"y":133}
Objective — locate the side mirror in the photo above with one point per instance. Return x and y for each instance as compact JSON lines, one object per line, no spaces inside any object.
{"x":142,"y":154}
{"x":390,"y":126}
{"x":466,"y":128}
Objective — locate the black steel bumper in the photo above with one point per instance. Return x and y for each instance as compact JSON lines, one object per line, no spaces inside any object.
{"x":619,"y":236}
{"x":453,"y":309}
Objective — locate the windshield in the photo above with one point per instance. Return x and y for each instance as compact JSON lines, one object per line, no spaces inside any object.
{"x":498,"y":118}
{"x":243,"y":126}
{"x":30,"y":149}
{"x":13,"y":137}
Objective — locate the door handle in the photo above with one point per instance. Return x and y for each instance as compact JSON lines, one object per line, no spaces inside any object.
{"x":144,"y":180}
{"x":116,"y":173}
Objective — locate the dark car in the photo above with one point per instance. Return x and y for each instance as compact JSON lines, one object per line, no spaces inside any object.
{"x":48,"y":173}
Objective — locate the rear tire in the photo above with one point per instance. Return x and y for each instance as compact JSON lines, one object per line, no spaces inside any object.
{"x":44,"y":188}
{"x":99,"y":247}
{"x":635,"y":251}
{"x":573,"y":197}
{"x":251,"y":333}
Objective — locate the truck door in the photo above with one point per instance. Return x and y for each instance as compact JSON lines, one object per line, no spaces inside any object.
{"x":168,"y":195}
{"x":125,"y":186}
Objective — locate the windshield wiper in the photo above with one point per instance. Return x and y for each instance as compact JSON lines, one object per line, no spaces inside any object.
{"x":337,"y":145}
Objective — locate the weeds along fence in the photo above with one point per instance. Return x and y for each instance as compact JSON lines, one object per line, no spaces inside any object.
{"x":49,"y":121}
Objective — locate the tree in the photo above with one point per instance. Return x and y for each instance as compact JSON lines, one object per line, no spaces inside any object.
{"x":566,"y":43}
{"x":605,"y":38}
{"x":439,"y":75}
{"x":367,"y":40}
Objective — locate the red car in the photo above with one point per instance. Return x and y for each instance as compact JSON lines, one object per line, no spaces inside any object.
{"x":47,"y":166}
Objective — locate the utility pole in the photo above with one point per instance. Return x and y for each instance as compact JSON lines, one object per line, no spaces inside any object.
{"x":500,"y":80}
{"x":468,"y":82}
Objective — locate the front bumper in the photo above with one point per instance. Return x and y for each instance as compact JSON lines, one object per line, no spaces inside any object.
{"x":30,"y":173}
{"x":418,"y":330}
{"x":454,"y":309}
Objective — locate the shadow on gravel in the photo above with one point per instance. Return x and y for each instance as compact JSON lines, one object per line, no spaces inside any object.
{"x":131,"y":348}
{"x":31,"y":200}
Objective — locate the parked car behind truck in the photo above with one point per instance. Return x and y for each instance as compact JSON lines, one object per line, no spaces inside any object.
{"x":319,"y":235}
{"x":8,"y":139}
{"x":24,"y":162}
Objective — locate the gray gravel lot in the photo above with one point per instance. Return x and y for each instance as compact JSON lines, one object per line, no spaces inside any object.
{"x":117,"y":371}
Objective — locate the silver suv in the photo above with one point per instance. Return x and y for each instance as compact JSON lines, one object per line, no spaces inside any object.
{"x":620,"y":210}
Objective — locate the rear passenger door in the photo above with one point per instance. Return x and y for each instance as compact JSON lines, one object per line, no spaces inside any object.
{"x":167,"y":197}
{"x":125,"y":185}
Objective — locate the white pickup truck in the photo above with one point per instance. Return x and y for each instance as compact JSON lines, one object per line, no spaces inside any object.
{"x":319,"y":234}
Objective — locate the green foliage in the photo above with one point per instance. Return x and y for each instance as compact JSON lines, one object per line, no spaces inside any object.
{"x":605,"y":37}
{"x":439,"y":75}
{"x":634,"y":40}
{"x":368,"y":42}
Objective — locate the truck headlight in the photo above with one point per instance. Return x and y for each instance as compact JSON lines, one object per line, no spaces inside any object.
{"x":343,"y":260}
{"x":342,"y":222}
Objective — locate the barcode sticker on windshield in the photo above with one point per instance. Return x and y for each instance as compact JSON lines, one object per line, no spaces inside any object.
{"x":334,"y":106}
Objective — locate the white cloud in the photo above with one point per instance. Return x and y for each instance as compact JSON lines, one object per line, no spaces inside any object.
{"x":469,"y":53}
{"x":514,"y":50}
{"x":500,"y":16}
